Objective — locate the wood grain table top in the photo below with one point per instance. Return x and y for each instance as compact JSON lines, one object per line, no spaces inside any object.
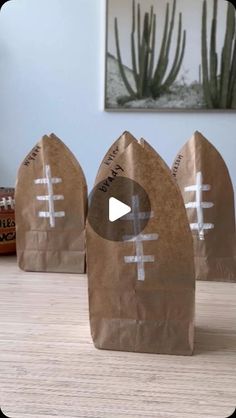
{"x":49,"y":367}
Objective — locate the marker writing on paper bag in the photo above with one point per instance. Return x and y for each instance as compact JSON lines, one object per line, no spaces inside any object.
{"x":112,"y":156}
{"x":106,"y":184}
{"x":177,"y":164}
{"x":32,"y":156}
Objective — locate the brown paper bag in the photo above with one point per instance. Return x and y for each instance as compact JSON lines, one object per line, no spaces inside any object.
{"x":152,"y":312}
{"x":113,"y":154}
{"x":205,"y":184}
{"x":51,"y":205}
{"x":7,"y":221}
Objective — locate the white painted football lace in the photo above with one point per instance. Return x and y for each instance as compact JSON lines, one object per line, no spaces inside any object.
{"x":50,"y":197}
{"x":138,"y":238}
{"x":7,"y":202}
{"x":199,"y":205}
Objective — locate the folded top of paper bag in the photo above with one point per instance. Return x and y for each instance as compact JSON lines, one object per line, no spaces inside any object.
{"x":113,"y":154}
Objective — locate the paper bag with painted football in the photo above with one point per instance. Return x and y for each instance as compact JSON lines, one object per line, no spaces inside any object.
{"x":51,"y":204}
{"x":140,"y":265}
{"x":7,"y":221}
{"x":205,"y":184}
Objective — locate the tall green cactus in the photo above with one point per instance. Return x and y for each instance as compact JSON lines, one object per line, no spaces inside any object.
{"x":151,"y":80}
{"x":219,"y":88}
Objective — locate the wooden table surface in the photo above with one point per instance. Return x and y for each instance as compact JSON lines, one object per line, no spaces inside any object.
{"x":49,"y":367}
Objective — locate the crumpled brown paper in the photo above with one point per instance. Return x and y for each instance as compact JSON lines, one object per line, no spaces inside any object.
{"x":51,"y":205}
{"x":205,"y":184}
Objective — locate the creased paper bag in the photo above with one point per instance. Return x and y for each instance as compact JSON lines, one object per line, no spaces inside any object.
{"x":152,"y":312}
{"x":7,"y":221}
{"x":51,"y":205}
{"x":113,"y":154}
{"x":205,"y":184}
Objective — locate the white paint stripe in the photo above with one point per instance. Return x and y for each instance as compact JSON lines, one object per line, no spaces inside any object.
{"x":54,"y":180}
{"x":6,"y":202}
{"x":199,"y":199}
{"x":143,"y":237}
{"x":194,"y":205}
{"x":136,"y":259}
{"x":50,"y":194}
{"x":12,"y":202}
{"x":138,"y":238}
{"x":204,"y":188}
{"x":141,"y":215}
{"x":50,"y":197}
{"x":196,"y":226}
{"x":3,"y":203}
{"x":199,"y":205}
{"x":138,"y":243}
{"x":46,"y":197}
{"x":48,"y":214}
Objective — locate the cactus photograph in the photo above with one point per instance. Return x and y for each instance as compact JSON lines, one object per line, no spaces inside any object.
{"x":170,"y":55}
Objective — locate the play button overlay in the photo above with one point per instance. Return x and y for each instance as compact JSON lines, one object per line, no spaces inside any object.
{"x":119,"y":209}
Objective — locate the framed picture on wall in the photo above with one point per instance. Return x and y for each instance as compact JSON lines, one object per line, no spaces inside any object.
{"x":170,"y":55}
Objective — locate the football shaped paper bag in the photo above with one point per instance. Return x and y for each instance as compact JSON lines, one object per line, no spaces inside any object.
{"x":7,"y":221}
{"x":113,"y":154}
{"x":51,"y":204}
{"x":205,"y":184}
{"x":140,"y":266}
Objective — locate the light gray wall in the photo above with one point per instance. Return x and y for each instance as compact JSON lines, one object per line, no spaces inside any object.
{"x":51,"y":79}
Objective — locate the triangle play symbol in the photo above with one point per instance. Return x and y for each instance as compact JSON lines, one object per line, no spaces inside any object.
{"x":117,"y":209}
